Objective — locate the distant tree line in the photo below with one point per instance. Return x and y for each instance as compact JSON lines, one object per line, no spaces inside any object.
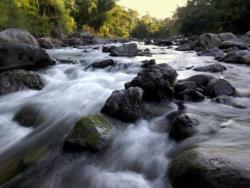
{"x":106,"y":18}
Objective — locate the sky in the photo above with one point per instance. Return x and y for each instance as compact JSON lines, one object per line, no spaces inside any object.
{"x":156,"y":8}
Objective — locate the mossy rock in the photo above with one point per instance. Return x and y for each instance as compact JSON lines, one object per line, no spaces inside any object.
{"x":92,"y":132}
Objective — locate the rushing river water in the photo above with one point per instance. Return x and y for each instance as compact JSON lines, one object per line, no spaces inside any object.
{"x":140,"y":152}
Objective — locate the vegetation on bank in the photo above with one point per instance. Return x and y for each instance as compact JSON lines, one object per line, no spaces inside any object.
{"x":106,"y":18}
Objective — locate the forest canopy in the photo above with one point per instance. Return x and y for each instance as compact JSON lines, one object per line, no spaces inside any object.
{"x":106,"y":18}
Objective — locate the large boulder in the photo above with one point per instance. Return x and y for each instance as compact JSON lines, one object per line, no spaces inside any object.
{"x":219,"y":87}
{"x":103,"y":63}
{"x":91,"y":132}
{"x":201,"y":80}
{"x":191,"y":95}
{"x":129,"y":50}
{"x":156,"y":81}
{"x":184,"y":126}
{"x":213,"y":68}
{"x":181,"y":86}
{"x":237,"y":57}
{"x":125,"y":105}
{"x":16,"y":56}
{"x":211,"y":167}
{"x":16,"y":80}
{"x":234,"y":43}
{"x":208,"y":41}
{"x":17,"y":36}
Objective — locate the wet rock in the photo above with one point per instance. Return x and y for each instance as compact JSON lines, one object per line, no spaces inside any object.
{"x":147,"y":63}
{"x":128,"y":50}
{"x":211,"y":167}
{"x":19,"y":56}
{"x":233,"y":43}
{"x":103,"y":63}
{"x":208,"y":41}
{"x":49,"y":43}
{"x":183,"y":85}
{"x":17,"y":36}
{"x":125,"y":105}
{"x":213,"y":68}
{"x":72,"y":42}
{"x":29,"y":115}
{"x":191,"y":95}
{"x":226,"y":36}
{"x":91,"y":132}
{"x":163,"y":42}
{"x":237,"y":57}
{"x":184,"y":126}
{"x":201,"y":80}
{"x":156,"y":81}
{"x":219,"y":87}
{"x":186,"y":47}
{"x":215,"y":52}
{"x":16,"y":80}
{"x":108,"y":49}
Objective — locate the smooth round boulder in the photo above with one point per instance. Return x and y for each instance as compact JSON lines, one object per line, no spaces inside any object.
{"x":237,"y":57}
{"x":184,"y":126}
{"x":226,"y":36}
{"x":201,"y":80}
{"x":17,"y":80}
{"x":103,"y":63}
{"x":20,"y":56}
{"x":191,"y":95}
{"x":127,"y":50}
{"x":92,"y":132}
{"x":17,"y":36}
{"x":213,"y":68}
{"x":215,"y":52}
{"x":125,"y":105}
{"x":211,"y":167}
{"x":219,"y":87}
{"x":183,"y":85}
{"x":241,"y":45}
{"x":156,"y":81}
{"x":29,"y":115}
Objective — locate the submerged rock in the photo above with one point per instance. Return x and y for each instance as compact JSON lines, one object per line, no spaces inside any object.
{"x":17,"y":36}
{"x":125,"y":105}
{"x":91,"y":132}
{"x":184,"y":126}
{"x":19,"y":56}
{"x":128,"y":50}
{"x":219,"y":87}
{"x":103,"y":63}
{"x":230,"y":101}
{"x":213,"y":68}
{"x":29,"y":115}
{"x":16,"y":80}
{"x":211,"y":167}
{"x":156,"y":81}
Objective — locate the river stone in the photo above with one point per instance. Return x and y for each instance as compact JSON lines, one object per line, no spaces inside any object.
{"x":183,"y":85}
{"x":215,"y":52}
{"x":213,"y":68}
{"x":106,"y":49}
{"x":156,"y":81}
{"x":237,"y":57}
{"x":219,"y":87}
{"x":208,"y":41}
{"x":29,"y":115}
{"x":129,"y":50}
{"x":226,"y":36}
{"x":163,"y":42}
{"x":20,"y":56}
{"x":184,"y":126}
{"x":16,"y":80}
{"x":234,"y":43}
{"x":211,"y":167}
{"x":125,"y":105}
{"x":147,"y":63}
{"x":191,"y":95}
{"x":92,"y":132}
{"x":48,"y":42}
{"x":17,"y":36}
{"x":103,"y":63}
{"x":230,"y":101}
{"x":201,"y":80}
